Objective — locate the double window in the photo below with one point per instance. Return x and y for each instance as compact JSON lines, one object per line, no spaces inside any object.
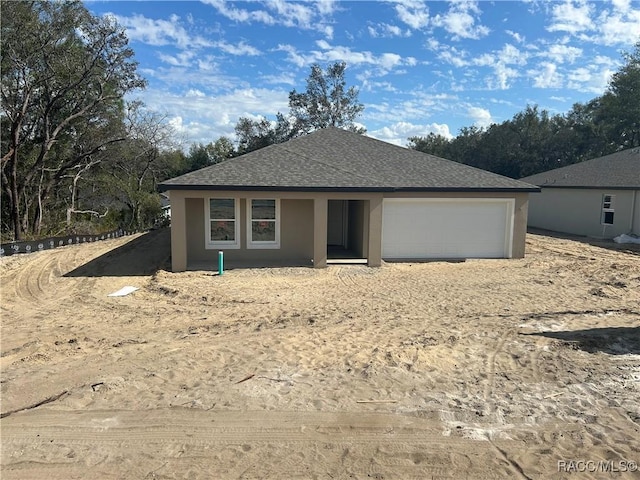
{"x":608,"y":209}
{"x":223,"y":223}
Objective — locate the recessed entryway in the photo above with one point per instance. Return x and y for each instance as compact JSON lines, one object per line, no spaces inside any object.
{"x":346,"y":225}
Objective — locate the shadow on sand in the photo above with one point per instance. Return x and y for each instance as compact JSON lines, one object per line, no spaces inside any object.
{"x":144,"y":255}
{"x":611,"y":340}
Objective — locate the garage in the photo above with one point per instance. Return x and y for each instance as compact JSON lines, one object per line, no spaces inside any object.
{"x":447,"y":228}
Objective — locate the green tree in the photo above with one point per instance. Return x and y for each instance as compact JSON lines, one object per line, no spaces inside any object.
{"x":255,"y":134}
{"x":433,"y":144}
{"x":326,"y":102}
{"x":201,"y":155}
{"x":64,"y":74}
{"x":618,"y":110}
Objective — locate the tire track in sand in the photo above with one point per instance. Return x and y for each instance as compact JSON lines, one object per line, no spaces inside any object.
{"x":490,"y":368}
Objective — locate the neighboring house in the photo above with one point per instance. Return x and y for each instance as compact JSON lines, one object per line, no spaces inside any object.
{"x":165,"y":204}
{"x":335,"y":192}
{"x":598,"y":198}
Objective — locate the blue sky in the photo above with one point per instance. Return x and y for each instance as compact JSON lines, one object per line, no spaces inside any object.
{"x":420,"y":66}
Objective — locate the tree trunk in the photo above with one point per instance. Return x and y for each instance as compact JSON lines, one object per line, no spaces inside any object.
{"x":15,"y":197}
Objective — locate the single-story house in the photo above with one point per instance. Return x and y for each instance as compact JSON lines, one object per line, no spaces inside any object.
{"x":597,"y":198}
{"x":334,"y":192}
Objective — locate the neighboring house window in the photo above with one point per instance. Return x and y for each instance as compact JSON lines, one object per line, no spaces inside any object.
{"x":223,"y":222}
{"x":263,"y":223}
{"x":608,"y":209}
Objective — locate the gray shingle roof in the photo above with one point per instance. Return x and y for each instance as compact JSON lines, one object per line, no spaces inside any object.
{"x":332,"y":159}
{"x":619,"y":170}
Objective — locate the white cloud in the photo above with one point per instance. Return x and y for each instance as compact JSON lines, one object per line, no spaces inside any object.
{"x":372,"y":85}
{"x":159,"y":32}
{"x":282,"y":78}
{"x":294,"y":57}
{"x":334,"y":53}
{"x":620,"y":26}
{"x":385,"y":30}
{"x":593,"y":78}
{"x":414,"y":13}
{"x":194,"y":92}
{"x":562,"y":53}
{"x":203,"y":73}
{"x":384,"y":62}
{"x":501,"y":62}
{"x":454,"y":56}
{"x":571,"y":17}
{"x":502,"y":77}
{"x":388,"y":61}
{"x":618,"y":22}
{"x":460,"y":21}
{"x":207,"y":63}
{"x":240,"y":49}
{"x":417,"y":108}
{"x":182,"y":59}
{"x":546,"y":76}
{"x":511,"y":55}
{"x":292,"y":14}
{"x":302,"y":15}
{"x":239,"y":14}
{"x":481,"y":116}
{"x":328,"y":32}
{"x":326,"y":7}
{"x":399,"y":132}
{"x":516,"y":36}
{"x":203,"y":117}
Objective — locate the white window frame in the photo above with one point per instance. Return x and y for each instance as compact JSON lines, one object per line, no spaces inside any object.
{"x":213,"y":244}
{"x":607,"y":207}
{"x":251,"y":244}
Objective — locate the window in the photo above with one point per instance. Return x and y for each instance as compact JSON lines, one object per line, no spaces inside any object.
{"x":263,"y":223}
{"x":608,"y":209}
{"x":222,"y":222}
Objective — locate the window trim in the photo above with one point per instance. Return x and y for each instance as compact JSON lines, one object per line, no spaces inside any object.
{"x":214,"y":244}
{"x":251,"y":244}
{"x":604,"y":210}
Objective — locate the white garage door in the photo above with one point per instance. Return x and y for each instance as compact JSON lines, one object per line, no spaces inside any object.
{"x":447,"y":228}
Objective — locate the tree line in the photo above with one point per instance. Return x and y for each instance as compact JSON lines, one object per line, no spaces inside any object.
{"x":534,"y":141}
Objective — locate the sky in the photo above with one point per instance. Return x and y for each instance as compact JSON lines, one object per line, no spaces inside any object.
{"x":420,"y":66}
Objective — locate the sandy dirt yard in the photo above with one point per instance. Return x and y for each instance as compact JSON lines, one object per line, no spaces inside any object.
{"x":481,"y":369}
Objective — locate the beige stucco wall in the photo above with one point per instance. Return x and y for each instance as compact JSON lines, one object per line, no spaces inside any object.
{"x":303,"y":226}
{"x":296,"y":236}
{"x":578,"y":211}
{"x":303,"y":229}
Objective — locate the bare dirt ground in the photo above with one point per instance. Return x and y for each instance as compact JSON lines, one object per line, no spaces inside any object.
{"x":479,"y":369}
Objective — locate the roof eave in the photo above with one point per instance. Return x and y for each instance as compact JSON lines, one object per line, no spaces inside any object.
{"x":280,"y":188}
{"x":592,"y":187}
